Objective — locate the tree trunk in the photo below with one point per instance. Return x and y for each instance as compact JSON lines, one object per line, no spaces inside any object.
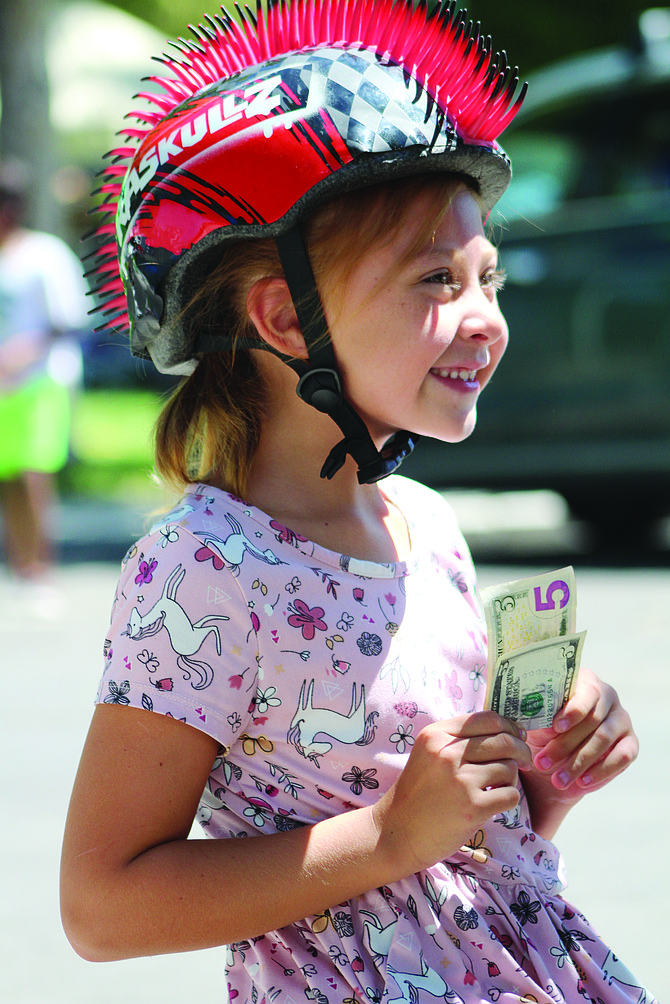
{"x":25,"y":127}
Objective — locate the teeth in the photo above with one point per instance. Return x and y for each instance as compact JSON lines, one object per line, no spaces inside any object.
{"x":467,"y":375}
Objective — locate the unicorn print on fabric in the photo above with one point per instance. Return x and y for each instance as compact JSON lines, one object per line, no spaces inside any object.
{"x":186,"y":637}
{"x":413,"y":986}
{"x":232,"y":550}
{"x":380,"y":938}
{"x":308,"y":722}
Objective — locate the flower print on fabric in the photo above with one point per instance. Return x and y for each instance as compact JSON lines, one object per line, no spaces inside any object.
{"x":258,"y":811}
{"x":315,"y":706}
{"x":186,"y":637}
{"x":526,"y":910}
{"x":166,"y":685}
{"x":454,"y":689}
{"x":457,"y":580}
{"x":146,"y":572}
{"x":170,"y":535}
{"x":403,"y":738}
{"x":285,"y":535}
{"x":266,"y":699}
{"x":329,"y":581}
{"x":388,"y":610}
{"x":237,"y":680}
{"x":466,"y":919}
{"x":369,"y":644}
{"x":359,"y":779}
{"x":477,"y":676}
{"x":306,"y":618}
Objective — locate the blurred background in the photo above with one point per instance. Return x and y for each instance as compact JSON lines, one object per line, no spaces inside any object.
{"x":569,"y":464}
{"x":580,"y":408}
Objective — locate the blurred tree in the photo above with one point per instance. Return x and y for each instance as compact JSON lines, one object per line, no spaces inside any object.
{"x":25,"y":131}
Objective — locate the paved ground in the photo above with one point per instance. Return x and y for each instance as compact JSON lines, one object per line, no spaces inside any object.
{"x":615,"y":844}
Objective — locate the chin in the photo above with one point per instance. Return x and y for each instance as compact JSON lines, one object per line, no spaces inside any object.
{"x":457,"y":432}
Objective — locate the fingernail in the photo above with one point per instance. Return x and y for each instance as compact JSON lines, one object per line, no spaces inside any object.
{"x":523,"y":735}
{"x":562,"y":725}
{"x":544,"y":763}
{"x":564,"y":778}
{"x":586,"y":779}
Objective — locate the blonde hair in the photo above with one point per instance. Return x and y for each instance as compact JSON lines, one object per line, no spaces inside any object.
{"x":212,"y":422}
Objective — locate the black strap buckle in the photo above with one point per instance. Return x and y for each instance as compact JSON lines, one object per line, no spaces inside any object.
{"x":320,"y":384}
{"x":322,"y":389}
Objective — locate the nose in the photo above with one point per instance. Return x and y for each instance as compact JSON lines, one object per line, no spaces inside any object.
{"x":482,"y":320}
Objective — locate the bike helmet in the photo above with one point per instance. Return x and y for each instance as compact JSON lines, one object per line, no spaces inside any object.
{"x":261,"y":120}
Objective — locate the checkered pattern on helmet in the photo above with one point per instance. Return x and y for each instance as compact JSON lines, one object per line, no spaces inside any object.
{"x":372,"y":106}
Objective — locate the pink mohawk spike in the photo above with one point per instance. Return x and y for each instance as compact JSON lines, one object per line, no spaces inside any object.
{"x":449,"y":59}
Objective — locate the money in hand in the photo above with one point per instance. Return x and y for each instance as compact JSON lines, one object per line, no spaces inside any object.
{"x":534,"y":650}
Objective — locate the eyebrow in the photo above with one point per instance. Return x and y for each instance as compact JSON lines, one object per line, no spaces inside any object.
{"x":432,"y":253}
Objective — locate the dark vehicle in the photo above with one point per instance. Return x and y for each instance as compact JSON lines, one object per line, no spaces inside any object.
{"x":581,"y":402}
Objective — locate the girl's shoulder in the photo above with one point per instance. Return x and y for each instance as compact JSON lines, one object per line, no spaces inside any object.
{"x":415,"y":494}
{"x":424,"y":509}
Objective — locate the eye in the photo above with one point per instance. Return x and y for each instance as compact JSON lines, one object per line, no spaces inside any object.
{"x":494,"y":278}
{"x":444,"y":278}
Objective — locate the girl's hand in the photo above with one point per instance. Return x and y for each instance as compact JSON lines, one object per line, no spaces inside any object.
{"x":591,"y":741}
{"x":460,"y":772}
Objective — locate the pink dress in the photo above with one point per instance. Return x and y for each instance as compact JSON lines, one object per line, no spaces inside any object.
{"x":315,"y":672}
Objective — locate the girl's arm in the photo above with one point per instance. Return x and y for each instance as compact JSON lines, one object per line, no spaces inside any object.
{"x":133,"y":884}
{"x":591,"y":741}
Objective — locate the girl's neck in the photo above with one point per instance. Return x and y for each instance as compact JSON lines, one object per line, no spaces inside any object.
{"x":284,"y":480}
{"x":340,"y":514}
{"x":361,"y":523}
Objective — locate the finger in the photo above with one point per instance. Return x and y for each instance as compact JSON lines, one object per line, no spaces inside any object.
{"x":498,"y":789}
{"x":501,"y":774}
{"x":588,"y":692}
{"x":597,"y":749}
{"x":482,"y":723}
{"x":501,"y":747}
{"x":594,"y":706}
{"x":502,"y":799}
{"x":618,"y":758}
{"x":573,"y":752}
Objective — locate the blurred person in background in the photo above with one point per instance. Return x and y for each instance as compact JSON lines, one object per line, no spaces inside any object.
{"x":42,"y":311}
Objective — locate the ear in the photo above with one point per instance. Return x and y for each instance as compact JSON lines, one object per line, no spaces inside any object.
{"x":271,"y":309}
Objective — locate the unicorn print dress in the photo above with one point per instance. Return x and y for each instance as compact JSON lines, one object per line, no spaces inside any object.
{"x":315,"y":672}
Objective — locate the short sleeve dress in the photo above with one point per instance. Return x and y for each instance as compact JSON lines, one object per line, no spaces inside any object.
{"x":315,"y":671}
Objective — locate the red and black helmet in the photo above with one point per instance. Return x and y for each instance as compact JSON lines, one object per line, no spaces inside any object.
{"x":266,"y":117}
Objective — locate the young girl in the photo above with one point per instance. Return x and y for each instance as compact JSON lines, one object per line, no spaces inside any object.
{"x":296,"y":655}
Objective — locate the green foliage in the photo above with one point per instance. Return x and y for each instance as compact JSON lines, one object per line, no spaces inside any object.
{"x":111,"y":443}
{"x":170,"y":16}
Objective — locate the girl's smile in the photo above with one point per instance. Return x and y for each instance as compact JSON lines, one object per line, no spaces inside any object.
{"x":418,"y":337}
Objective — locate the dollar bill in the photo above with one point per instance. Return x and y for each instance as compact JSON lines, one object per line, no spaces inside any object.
{"x":529,"y":610}
{"x":521,"y":617}
{"x":531,"y":685}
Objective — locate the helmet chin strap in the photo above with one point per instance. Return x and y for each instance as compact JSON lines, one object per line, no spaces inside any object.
{"x":320,"y":384}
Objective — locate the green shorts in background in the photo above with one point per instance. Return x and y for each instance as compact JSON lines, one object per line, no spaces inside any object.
{"x":34,"y":428}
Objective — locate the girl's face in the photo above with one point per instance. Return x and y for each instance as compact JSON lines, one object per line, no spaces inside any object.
{"x":417,"y":341}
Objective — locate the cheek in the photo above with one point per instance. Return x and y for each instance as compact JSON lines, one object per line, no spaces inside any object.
{"x":503,"y":343}
{"x":498,"y":350}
